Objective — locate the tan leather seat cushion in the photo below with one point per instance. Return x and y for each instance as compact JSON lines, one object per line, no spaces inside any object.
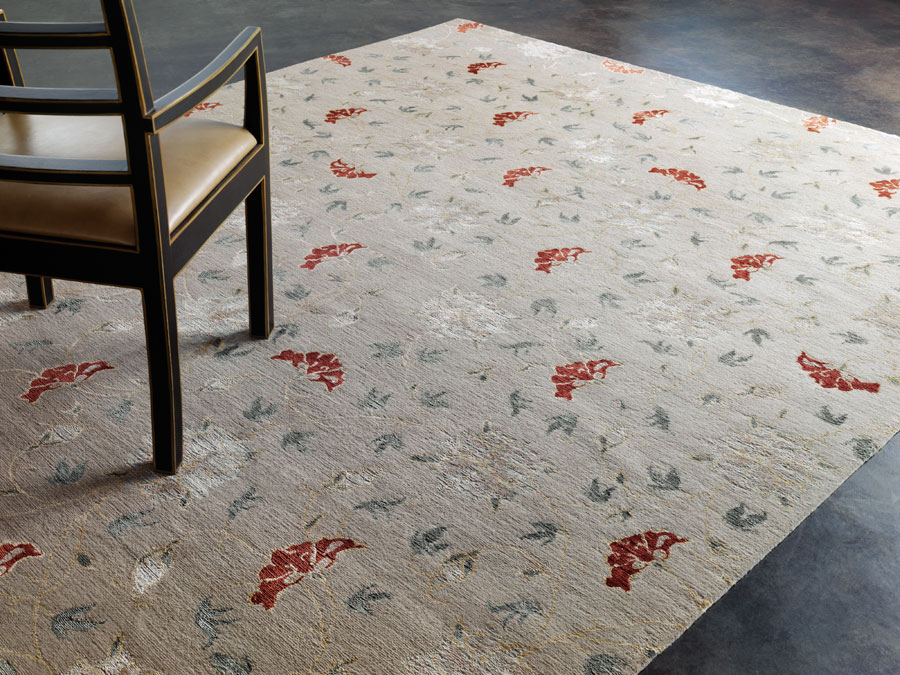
{"x":197,"y":155}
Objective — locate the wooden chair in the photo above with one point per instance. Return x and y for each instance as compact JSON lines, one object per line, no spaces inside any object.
{"x":110,"y":186}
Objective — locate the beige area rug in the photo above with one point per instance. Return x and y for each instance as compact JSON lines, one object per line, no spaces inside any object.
{"x":564,"y":347}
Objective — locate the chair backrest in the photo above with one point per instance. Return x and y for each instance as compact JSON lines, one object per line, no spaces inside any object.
{"x":131,"y":100}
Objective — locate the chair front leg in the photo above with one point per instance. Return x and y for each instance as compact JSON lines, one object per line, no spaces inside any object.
{"x":40,"y":291}
{"x":259,"y":259}
{"x":165,"y":375}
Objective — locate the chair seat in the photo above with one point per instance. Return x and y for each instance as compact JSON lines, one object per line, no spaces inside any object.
{"x":197,"y":155}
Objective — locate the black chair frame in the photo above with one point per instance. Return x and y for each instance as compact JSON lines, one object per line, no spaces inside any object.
{"x":159,"y":255}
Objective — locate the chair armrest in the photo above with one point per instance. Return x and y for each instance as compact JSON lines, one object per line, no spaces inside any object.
{"x":183,"y":98}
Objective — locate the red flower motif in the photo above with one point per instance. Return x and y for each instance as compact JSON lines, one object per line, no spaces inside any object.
{"x":746,"y":264}
{"x":681,"y":176}
{"x":502,"y":118}
{"x":632,"y":554}
{"x":475,"y":67}
{"x":463,"y":27}
{"x":324,"y":368}
{"x":830,"y":377}
{"x":342,"y":60}
{"x":341,"y":169}
{"x":54,"y":378}
{"x":817,"y":122}
{"x":334,"y":115}
{"x":886,"y":188}
{"x":554,"y":257}
{"x":644,"y":115}
{"x":513,"y":175}
{"x":619,"y":68}
{"x":289,"y":566}
{"x":208,"y":105}
{"x":566,"y":376}
{"x":11,"y":553}
{"x":320,"y":255}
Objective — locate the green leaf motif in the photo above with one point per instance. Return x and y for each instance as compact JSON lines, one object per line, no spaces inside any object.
{"x":207,"y":619}
{"x":826,"y":415}
{"x":297,"y":293}
{"x":758,"y":335}
{"x":374,"y":400}
{"x":432,"y":399}
{"x":545,"y":533}
{"x":297,"y":440}
{"x":129,"y":521}
{"x":519,"y":610}
{"x":863,"y":447}
{"x":518,"y":402}
{"x":732,"y":359}
{"x":669,"y":481}
{"x":258,"y":412}
{"x":739,"y":519}
{"x":605,"y":664}
{"x":243,"y":503}
{"x":71,"y":304}
{"x":429,"y":355}
{"x":361,"y":601}
{"x":564,"y":423}
{"x":213,"y":275}
{"x":73,"y":619}
{"x":544,"y":305}
{"x":493,"y":280}
{"x":428,"y":542}
{"x":226,"y":665}
{"x":660,"y":418}
{"x":387,"y":442}
{"x":597,"y":494}
{"x":65,"y":474}
{"x":379,"y":507}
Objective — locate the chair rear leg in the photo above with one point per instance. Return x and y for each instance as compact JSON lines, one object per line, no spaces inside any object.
{"x":259,"y":259}
{"x":165,"y":376}
{"x":40,"y":291}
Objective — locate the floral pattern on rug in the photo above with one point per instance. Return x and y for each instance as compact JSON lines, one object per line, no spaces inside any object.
{"x":531,"y":403}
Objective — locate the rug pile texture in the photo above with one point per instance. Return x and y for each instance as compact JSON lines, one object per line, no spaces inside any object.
{"x":564,"y":347}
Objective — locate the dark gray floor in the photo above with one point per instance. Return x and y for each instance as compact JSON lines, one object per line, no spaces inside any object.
{"x":827,"y":600}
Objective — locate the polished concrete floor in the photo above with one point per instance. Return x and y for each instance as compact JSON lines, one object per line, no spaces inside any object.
{"x":827,"y":600}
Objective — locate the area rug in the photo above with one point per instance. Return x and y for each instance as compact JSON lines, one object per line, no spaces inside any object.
{"x":564,"y":347}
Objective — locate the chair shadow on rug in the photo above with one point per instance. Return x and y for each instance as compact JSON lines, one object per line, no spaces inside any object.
{"x":110,"y":186}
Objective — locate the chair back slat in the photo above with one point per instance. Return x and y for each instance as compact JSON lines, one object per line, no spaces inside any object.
{"x":45,"y":101}
{"x":24,"y":35}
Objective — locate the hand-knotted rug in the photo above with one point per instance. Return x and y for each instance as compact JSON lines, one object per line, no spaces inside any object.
{"x":564,"y":347}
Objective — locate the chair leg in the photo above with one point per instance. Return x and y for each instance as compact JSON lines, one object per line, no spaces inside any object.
{"x":259,"y":259}
{"x":165,"y":375}
{"x":40,"y":291}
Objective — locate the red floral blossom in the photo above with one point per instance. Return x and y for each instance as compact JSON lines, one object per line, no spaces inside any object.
{"x":11,"y":553}
{"x":553,"y":257}
{"x":482,"y":65}
{"x":342,"y":60}
{"x":632,"y":554}
{"x":463,"y":27}
{"x":886,"y":188}
{"x":341,"y":169}
{"x":644,"y":115}
{"x":334,"y":115}
{"x":566,"y":376}
{"x":619,"y":68}
{"x":746,"y":264}
{"x":513,"y":175}
{"x":324,"y":368}
{"x":54,"y":378}
{"x":681,"y":176}
{"x":830,"y":377}
{"x":289,"y":566}
{"x":503,"y":118}
{"x":320,"y":255}
{"x":209,"y":105}
{"x":817,"y":122}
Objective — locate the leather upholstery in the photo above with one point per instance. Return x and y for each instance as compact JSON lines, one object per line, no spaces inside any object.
{"x":197,"y":155}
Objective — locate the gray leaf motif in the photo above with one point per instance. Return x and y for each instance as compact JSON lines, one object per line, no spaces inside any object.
{"x":826,"y":415}
{"x":737,"y":519}
{"x":298,"y":440}
{"x":660,"y":418}
{"x":385,"y":442}
{"x":72,"y":619}
{"x":604,"y":664}
{"x":207,"y":619}
{"x":362,"y":600}
{"x":564,"y":423}
{"x":430,"y":355}
{"x":493,"y":280}
{"x":669,"y":481}
{"x":129,"y":521}
{"x":388,"y":350}
{"x":379,"y":507}
{"x":520,"y":610}
{"x":544,"y":533}
{"x":428,"y":542}
{"x":226,"y":665}
{"x":297,"y":293}
{"x":373,"y":400}
{"x":544,"y":305}
{"x":66,"y":475}
{"x":597,"y":494}
{"x":863,"y":447}
{"x":257,"y":412}
{"x":6,"y":668}
{"x":732,"y":359}
{"x":432,"y":399}
{"x":243,"y":503}
{"x":518,"y":402}
{"x":758,"y":335}
{"x":523,"y":346}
